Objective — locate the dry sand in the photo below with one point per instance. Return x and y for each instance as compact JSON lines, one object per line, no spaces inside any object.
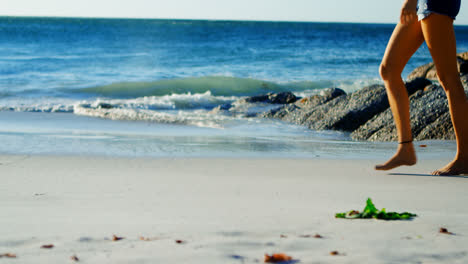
{"x":225,"y":211}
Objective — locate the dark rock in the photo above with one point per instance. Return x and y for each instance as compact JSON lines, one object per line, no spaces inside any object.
{"x":298,"y":112}
{"x":441,"y":128}
{"x":428,"y":109}
{"x":273,"y":98}
{"x":283,"y":98}
{"x":417,"y":84}
{"x":464,"y":67}
{"x":334,"y":110}
{"x":105,"y":106}
{"x":332,"y":93}
{"x":257,"y":98}
{"x":351,"y":111}
{"x":283,"y":112}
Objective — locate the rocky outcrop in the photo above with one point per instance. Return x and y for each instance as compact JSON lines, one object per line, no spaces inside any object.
{"x":351,"y":111}
{"x":365,"y":113}
{"x":300,"y":111}
{"x":429,"y":115}
{"x":335,"y":110}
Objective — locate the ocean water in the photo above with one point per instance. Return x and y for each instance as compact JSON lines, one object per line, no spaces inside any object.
{"x":135,"y":87}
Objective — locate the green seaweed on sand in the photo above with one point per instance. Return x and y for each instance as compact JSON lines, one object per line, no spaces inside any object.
{"x":371,"y":212}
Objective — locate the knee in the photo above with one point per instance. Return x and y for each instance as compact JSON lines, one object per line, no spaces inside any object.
{"x":388,"y":72}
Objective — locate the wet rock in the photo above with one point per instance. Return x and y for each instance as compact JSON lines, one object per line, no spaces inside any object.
{"x":273,"y":98}
{"x":429,"y":116}
{"x":299,"y":112}
{"x":351,"y":111}
{"x":417,"y":84}
{"x":365,"y":112}
{"x":463,"y":67}
{"x":441,"y":128}
{"x":335,"y":110}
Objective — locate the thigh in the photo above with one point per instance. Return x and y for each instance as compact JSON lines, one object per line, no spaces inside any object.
{"x":440,"y":39}
{"x":404,"y":42}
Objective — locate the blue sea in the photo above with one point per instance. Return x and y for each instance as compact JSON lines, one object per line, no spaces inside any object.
{"x":146,"y":88}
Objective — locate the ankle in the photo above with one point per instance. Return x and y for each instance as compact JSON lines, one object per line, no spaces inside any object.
{"x":405,"y":142}
{"x":461,"y":157}
{"x":405,"y":145}
{"x":406,"y":150}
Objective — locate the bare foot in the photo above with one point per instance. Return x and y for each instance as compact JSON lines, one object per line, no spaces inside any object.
{"x":456,"y":167}
{"x":405,"y":156}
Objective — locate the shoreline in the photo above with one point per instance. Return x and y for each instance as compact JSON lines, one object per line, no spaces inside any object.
{"x":72,"y":135}
{"x":225,"y":210}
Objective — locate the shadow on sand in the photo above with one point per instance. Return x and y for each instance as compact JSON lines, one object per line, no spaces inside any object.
{"x":429,"y":175}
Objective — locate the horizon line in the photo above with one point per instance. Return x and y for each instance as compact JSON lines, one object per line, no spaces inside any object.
{"x":193,"y":19}
{"x":207,"y":19}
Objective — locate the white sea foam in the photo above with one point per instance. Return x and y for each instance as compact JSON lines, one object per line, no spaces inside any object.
{"x":54,"y":106}
{"x":200,"y":118}
{"x":347,"y":86}
{"x":168,"y":102}
{"x":185,"y":101}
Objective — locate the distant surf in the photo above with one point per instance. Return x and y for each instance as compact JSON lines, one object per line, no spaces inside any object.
{"x":215,"y":85}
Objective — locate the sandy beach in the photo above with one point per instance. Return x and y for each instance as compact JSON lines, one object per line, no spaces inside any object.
{"x":206,"y":140}
{"x":225,"y":211}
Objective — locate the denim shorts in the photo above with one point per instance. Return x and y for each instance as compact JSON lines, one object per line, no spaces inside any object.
{"x":443,"y":7}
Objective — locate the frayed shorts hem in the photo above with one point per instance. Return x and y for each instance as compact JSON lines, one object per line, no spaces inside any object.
{"x":424,"y":15}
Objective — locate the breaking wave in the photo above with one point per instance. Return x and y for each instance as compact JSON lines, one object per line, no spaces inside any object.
{"x":216,"y":85}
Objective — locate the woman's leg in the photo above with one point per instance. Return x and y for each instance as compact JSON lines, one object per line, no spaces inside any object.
{"x":440,"y":38}
{"x":404,"y":42}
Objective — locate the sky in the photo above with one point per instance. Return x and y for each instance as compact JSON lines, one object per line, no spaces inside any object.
{"x":366,"y":11}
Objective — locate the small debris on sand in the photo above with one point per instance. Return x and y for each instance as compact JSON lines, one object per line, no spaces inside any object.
{"x":277,"y":258}
{"x":49,"y":246}
{"x":116,"y":238}
{"x":8,"y":255}
{"x":444,"y":230}
{"x":309,"y":236}
{"x":74,"y":258}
